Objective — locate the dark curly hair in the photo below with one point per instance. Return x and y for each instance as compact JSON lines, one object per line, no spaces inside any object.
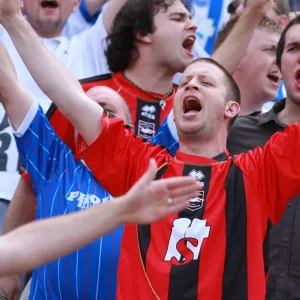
{"x":136,"y":16}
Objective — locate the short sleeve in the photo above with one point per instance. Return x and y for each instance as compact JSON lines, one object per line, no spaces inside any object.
{"x":118,"y":158}
{"x":40,"y":149}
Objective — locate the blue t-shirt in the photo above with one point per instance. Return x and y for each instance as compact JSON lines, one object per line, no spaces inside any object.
{"x":65,"y":185}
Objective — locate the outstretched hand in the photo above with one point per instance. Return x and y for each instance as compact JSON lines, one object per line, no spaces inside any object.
{"x":150,"y":200}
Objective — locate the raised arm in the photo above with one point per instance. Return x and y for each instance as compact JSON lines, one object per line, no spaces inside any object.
{"x":49,"y":239}
{"x":233,"y":49}
{"x":110,"y":12}
{"x":53,"y":78}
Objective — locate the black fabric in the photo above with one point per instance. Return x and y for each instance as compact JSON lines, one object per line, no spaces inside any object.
{"x":235,"y":287}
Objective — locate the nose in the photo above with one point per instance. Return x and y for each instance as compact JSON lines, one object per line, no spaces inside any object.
{"x":191,"y":86}
{"x":191,"y":25}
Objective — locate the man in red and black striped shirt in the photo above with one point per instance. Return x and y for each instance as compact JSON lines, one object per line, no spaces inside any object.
{"x":214,"y":248}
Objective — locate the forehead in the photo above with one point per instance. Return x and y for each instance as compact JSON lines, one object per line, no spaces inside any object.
{"x":293,"y":35}
{"x":176,"y":7}
{"x":204,"y":69}
{"x":264,"y":37}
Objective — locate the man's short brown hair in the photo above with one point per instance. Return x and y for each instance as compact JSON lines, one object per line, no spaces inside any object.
{"x":265,"y":23}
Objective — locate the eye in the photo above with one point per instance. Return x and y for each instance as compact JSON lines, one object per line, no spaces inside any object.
{"x":183,"y":83}
{"x":207,"y":83}
{"x":292,"y":48}
{"x":178,"y":19}
{"x":270,"y":50}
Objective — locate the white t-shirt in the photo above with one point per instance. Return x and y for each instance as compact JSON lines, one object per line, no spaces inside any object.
{"x":83,"y":54}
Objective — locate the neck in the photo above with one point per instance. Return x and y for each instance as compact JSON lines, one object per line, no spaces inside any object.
{"x":249,"y":103}
{"x":203,"y":147}
{"x":150,"y":77}
{"x":290,"y":114}
{"x":49,"y":35}
{"x":247,"y":109}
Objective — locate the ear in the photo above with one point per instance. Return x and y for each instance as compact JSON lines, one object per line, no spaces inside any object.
{"x":144,"y":38}
{"x":283,"y":21}
{"x":232,"y":109}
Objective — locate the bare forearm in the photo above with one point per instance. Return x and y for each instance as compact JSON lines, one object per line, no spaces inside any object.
{"x":55,"y":79}
{"x":94,"y":6}
{"x":52,"y":238}
{"x":234,"y":48}
{"x":111,"y":11}
{"x":22,"y":207}
{"x":16,"y":101}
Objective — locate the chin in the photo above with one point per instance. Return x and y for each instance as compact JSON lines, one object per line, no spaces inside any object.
{"x":269,"y":96}
{"x":190,"y":132}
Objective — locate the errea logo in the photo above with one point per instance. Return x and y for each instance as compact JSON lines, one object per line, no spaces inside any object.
{"x":86,"y":200}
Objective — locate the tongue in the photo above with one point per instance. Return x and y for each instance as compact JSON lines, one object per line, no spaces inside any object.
{"x":49,"y":4}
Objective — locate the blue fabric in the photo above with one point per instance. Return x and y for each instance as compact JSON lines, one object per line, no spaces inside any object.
{"x":165,"y":138}
{"x":65,"y":185}
{"x":86,"y":14}
{"x":281,"y":92}
{"x":210,"y":15}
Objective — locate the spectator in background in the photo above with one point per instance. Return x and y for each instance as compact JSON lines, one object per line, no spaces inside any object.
{"x":279,"y":12}
{"x":257,"y":75}
{"x":143,"y":67}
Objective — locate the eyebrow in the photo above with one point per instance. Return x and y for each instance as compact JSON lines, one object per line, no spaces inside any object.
{"x":201,"y":77}
{"x":273,"y":47}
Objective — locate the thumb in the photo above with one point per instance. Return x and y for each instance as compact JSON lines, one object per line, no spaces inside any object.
{"x":150,"y":174}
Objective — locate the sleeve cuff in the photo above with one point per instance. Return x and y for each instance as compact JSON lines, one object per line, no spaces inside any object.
{"x":27,"y":120}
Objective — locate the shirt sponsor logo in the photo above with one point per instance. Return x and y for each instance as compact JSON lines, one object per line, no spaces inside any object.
{"x":148,"y":111}
{"x":146,"y":130}
{"x":86,"y":200}
{"x":186,"y":240}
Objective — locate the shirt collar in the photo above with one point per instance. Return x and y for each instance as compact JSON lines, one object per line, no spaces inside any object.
{"x":201,"y":160}
{"x":272,"y":114}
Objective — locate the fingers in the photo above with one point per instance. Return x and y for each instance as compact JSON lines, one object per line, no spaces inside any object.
{"x":178,"y":182}
{"x":191,"y":189}
{"x":150,"y":174}
{"x":174,"y":208}
{"x":183,"y":198}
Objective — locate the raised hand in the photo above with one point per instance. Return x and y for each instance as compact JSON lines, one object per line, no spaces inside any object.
{"x":150,"y":200}
{"x":261,"y":7}
{"x":9,"y":8}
